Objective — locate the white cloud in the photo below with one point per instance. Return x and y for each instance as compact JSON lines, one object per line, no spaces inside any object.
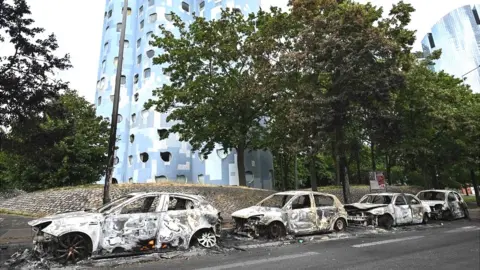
{"x":78,"y":27}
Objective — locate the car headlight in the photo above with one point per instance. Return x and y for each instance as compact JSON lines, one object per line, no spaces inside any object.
{"x":378,"y":211}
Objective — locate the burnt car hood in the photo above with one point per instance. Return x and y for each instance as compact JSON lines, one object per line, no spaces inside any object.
{"x":433,"y":202}
{"x":75,"y":215}
{"x":363,"y":206}
{"x":255,"y":211}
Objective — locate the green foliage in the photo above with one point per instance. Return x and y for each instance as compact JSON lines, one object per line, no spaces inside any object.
{"x":65,"y":146}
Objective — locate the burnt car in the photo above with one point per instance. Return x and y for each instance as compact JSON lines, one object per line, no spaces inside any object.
{"x":444,"y":204}
{"x":291,"y":212}
{"x":137,"y":222}
{"x":387,"y":210}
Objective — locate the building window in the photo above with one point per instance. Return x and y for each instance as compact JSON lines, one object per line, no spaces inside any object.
{"x":139,"y":42}
{"x":119,"y":27}
{"x":106,"y":29}
{"x":119,"y":118}
{"x":152,"y":18}
{"x":129,"y":11}
{"x":151,"y":2}
{"x":130,"y":160}
{"x":114,"y":181}
{"x":161,"y":178}
{"x":126,"y":44}
{"x":112,"y":97}
{"x":135,"y":78}
{"x":202,"y":5}
{"x":130,"y":180}
{"x":144,"y":157}
{"x":101,"y":83}
{"x":139,"y":59}
{"x":132,"y":138}
{"x":166,"y":156}
{"x":218,"y":3}
{"x":134,"y":117}
{"x":431,"y":41}
{"x":142,"y":23}
{"x":104,"y":65}
{"x":181,"y":179}
{"x":99,"y":101}
{"x":162,"y":134}
{"x":185,"y":7}
{"x":236,"y":10}
{"x":475,"y":15}
{"x":147,"y":73}
{"x":116,"y":161}
{"x":135,"y":97}
{"x":110,"y":12}
{"x":140,"y":11}
{"x":115,"y":61}
{"x":169,"y":16}
{"x":105,"y":47}
{"x":149,"y":35}
{"x":123,"y":79}
{"x":201,"y":179}
{"x":150,"y":53}
{"x":105,"y":15}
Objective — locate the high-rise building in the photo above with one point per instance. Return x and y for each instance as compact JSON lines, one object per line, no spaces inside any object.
{"x":458,"y":35}
{"x":143,"y":156}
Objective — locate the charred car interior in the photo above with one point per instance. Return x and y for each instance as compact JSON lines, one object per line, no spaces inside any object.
{"x":294,"y":212}
{"x":138,"y":222}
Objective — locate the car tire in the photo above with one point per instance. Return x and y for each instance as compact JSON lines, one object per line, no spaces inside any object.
{"x":466,"y":214}
{"x":206,"y":238}
{"x":276,"y":230}
{"x":340,"y":225}
{"x":72,"y":248}
{"x":447,"y":215}
{"x":385,"y":221}
{"x":425,"y":219}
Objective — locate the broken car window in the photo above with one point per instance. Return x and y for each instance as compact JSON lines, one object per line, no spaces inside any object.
{"x":301,"y":202}
{"x":412,"y":200}
{"x":431,"y":196}
{"x":176,"y":204}
{"x":321,"y":200}
{"x":400,"y":201}
{"x":451,"y":197}
{"x":143,"y":205}
{"x":377,"y":199}
{"x":276,"y":201}
{"x":114,"y":204}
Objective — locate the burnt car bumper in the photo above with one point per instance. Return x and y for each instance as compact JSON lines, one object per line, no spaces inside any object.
{"x":363,"y":219}
{"x":248,"y":226}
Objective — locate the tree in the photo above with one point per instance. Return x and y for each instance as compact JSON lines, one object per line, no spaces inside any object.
{"x":25,"y":87}
{"x":352,"y":59}
{"x":64,"y":146}
{"x":221,"y":84}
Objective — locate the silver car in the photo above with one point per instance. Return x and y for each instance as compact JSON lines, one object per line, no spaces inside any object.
{"x":444,"y":204}
{"x":292,"y":212}
{"x":136,"y":222}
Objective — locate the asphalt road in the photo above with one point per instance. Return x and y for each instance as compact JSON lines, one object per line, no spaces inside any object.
{"x":453,"y":246}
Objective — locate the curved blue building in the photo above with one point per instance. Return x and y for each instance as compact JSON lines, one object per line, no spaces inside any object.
{"x":143,"y":154}
{"x":458,"y":35}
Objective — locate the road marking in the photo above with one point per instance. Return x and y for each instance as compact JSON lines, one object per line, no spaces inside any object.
{"x":386,"y":241}
{"x":249,"y":263}
{"x":464,"y":229}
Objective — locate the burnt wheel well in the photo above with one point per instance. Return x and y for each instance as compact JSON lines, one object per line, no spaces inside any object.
{"x":85,"y":237}
{"x":193,"y":239}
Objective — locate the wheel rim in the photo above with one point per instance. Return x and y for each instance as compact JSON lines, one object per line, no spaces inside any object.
{"x":275,"y":230}
{"x":339,"y":225}
{"x":72,"y":248}
{"x":425,"y":218}
{"x":207,"y":239}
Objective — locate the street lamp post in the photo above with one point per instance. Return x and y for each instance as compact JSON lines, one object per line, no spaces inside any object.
{"x":116,"y":99}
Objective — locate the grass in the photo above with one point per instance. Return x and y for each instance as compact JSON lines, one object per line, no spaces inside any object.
{"x":469,"y":199}
{"x":19,"y":213}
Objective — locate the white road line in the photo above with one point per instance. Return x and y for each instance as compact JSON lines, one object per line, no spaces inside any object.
{"x":249,"y":263}
{"x":386,"y":241}
{"x":464,"y":229}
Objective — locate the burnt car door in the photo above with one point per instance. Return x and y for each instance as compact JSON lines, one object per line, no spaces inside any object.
{"x":302,"y":214}
{"x":326,"y":211}
{"x":402,"y":211}
{"x":455,"y":204}
{"x":132,"y":227}
{"x":179,"y":221}
{"x":417,"y":208}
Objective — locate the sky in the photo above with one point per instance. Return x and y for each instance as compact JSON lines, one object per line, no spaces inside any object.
{"x":78,"y":27}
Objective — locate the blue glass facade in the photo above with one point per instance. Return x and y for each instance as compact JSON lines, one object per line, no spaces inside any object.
{"x":458,"y":35}
{"x":142,"y":156}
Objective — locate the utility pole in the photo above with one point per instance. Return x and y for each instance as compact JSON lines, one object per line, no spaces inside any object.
{"x":116,"y":99}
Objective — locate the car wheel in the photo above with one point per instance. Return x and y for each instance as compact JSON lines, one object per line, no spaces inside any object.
{"x":72,"y":248}
{"x":206,"y":239}
{"x":447,"y":215}
{"x":466,"y":214}
{"x":425,"y":218}
{"x":340,"y":225}
{"x":385,"y":221}
{"x":276,"y":230}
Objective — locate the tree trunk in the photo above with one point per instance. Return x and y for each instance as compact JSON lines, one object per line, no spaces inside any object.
{"x":335,"y":162}
{"x":372,"y":152}
{"x":313,"y":173}
{"x":435,"y":178}
{"x":357,"y":161}
{"x":389,"y":168}
{"x":286,"y":171}
{"x":475,"y":186}
{"x":242,"y":181}
{"x":341,"y":162}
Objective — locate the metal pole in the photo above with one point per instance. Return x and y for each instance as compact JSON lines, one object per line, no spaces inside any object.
{"x":116,"y":98}
{"x":296,"y":173}
{"x":463,"y":76}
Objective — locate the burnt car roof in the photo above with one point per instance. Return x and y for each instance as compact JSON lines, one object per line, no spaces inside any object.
{"x":436,"y":190}
{"x":302,"y":192}
{"x":192,"y":196}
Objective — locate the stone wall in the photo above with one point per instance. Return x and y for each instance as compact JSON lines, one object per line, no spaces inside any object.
{"x":226,"y":199}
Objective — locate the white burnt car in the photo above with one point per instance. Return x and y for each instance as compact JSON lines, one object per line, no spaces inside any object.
{"x":292,"y":212}
{"x":444,"y":204}
{"x":133,"y":223}
{"x":387,"y":210}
